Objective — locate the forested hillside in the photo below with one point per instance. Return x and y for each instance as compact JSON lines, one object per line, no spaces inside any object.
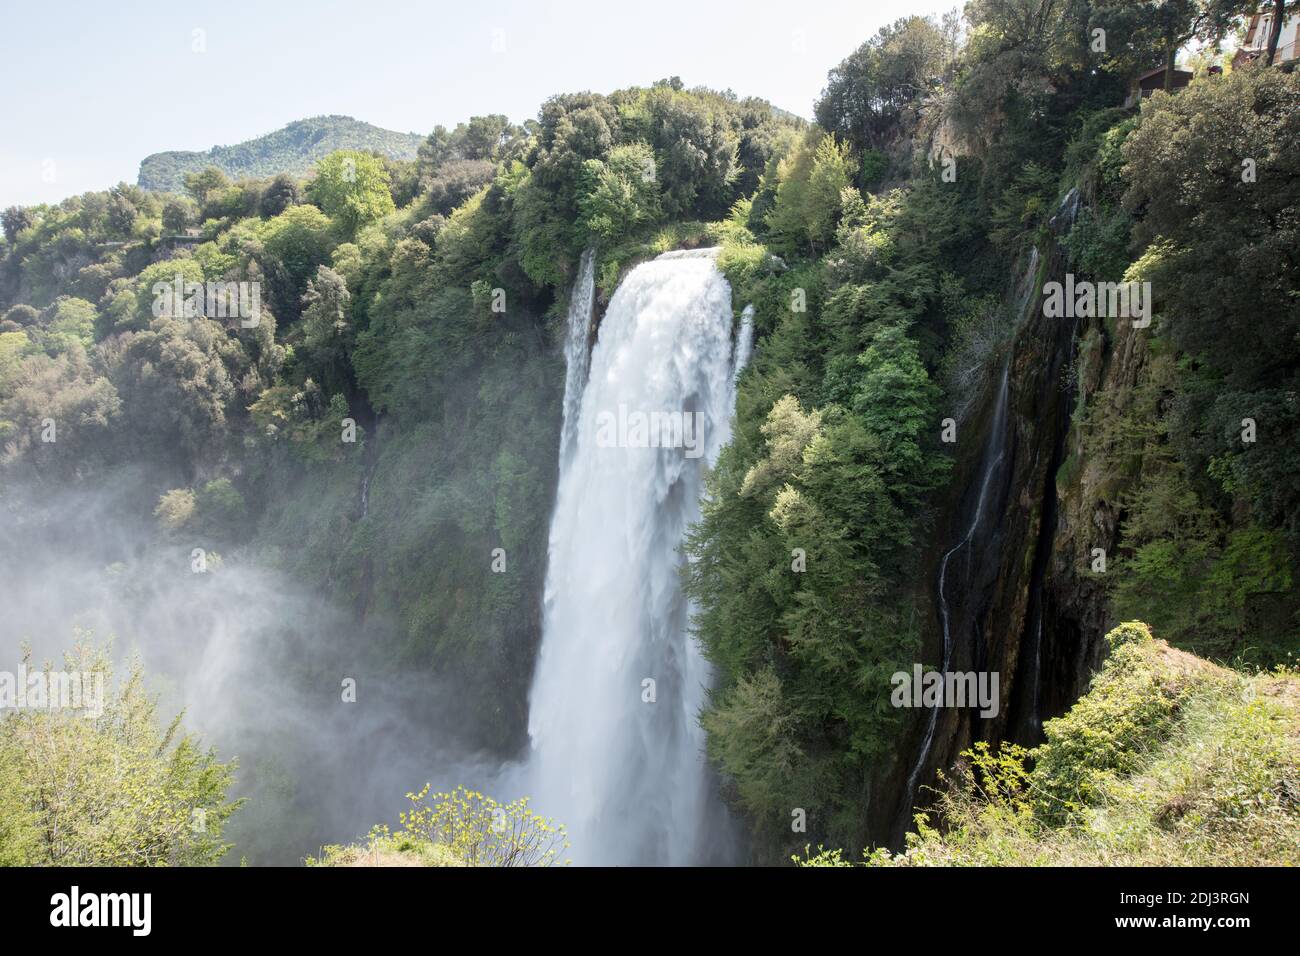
{"x":293,"y":150}
{"x":389,"y":424}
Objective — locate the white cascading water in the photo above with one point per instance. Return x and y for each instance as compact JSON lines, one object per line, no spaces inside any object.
{"x":744,"y":342}
{"x":575,"y":346}
{"x":627,"y":776}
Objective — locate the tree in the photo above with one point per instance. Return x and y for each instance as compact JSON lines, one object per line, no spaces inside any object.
{"x":1221,"y":257}
{"x":696,"y":150}
{"x":15,"y":220}
{"x":293,"y":246}
{"x":352,"y":188}
{"x":67,"y":319}
{"x":23,"y":315}
{"x":113,"y":788}
{"x":204,"y":183}
{"x":63,"y":388}
{"x":121,"y":214}
{"x":866,"y":94}
{"x":280,"y":193}
{"x":180,"y":384}
{"x":483,"y":137}
{"x":327,"y":331}
{"x":455,"y":181}
{"x":621,"y":195}
{"x":179,"y":214}
{"x":490,"y":138}
{"x":807,"y":206}
{"x":1146,"y":30}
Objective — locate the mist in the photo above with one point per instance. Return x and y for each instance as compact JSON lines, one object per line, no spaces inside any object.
{"x":256,"y":663}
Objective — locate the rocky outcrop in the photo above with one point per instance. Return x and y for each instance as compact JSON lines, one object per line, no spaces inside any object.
{"x":1018,"y":591}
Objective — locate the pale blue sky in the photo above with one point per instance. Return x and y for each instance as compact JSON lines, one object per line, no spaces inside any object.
{"x":89,"y":89}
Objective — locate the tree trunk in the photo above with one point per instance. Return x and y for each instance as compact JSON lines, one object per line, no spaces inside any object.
{"x":1171,"y":60}
{"x":1275,"y":34}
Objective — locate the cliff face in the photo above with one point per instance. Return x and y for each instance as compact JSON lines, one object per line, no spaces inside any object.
{"x":1167,"y":759}
{"x":1016,"y":539}
{"x":1089,"y":510}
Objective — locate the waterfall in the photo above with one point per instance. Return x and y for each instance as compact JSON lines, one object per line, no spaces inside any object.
{"x":617,"y":750}
{"x":994,"y":455}
{"x":575,"y":346}
{"x":744,"y":343}
{"x":1025,"y":297}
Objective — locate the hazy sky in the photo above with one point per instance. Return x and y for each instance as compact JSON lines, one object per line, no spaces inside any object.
{"x":89,"y":89}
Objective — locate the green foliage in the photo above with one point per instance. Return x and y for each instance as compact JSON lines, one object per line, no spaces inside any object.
{"x":328,"y":335}
{"x":1166,"y":760}
{"x":146,"y":302}
{"x":861,"y":304}
{"x":1217,"y":586}
{"x":460,"y":828}
{"x":802,"y":563}
{"x":1023,"y":209}
{"x":386,"y":849}
{"x":867,"y":94}
{"x":807,"y":207}
{"x":179,"y":214}
{"x":220,"y":505}
{"x":113,"y":788}
{"x":696,"y":143}
{"x":294,"y":245}
{"x":203,"y":183}
{"x":175,"y":508}
{"x":1128,"y":710}
{"x":1229,"y":273}
{"x":305,"y":418}
{"x":37,"y":389}
{"x":620,"y":196}
{"x":69,"y":320}
{"x":15,"y":220}
{"x":281,"y":193}
{"x":352,"y":189}
{"x":483,"y":832}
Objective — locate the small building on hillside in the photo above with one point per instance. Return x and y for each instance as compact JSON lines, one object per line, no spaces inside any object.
{"x":1140,"y":87}
{"x":1255,"y":46}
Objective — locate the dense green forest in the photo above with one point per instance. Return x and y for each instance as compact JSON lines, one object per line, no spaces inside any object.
{"x":416,"y":303}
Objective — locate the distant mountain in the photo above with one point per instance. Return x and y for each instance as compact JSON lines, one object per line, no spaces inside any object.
{"x":293,"y":149}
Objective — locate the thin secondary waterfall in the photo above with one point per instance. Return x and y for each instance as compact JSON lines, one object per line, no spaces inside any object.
{"x":744,"y":342}
{"x":993,"y":458}
{"x":991,"y":466}
{"x":576,"y":346}
{"x":617,"y":751}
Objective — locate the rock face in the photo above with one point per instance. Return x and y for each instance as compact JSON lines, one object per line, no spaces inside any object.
{"x":1018,"y":593}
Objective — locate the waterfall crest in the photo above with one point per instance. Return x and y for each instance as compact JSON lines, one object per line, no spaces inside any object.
{"x":617,"y":750}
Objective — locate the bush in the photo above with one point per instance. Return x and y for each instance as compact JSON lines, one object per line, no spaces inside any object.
{"x":109,"y":789}
{"x":461,"y":828}
{"x":1167,"y":760}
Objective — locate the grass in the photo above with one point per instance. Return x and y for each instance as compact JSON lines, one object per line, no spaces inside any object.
{"x":397,"y":850}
